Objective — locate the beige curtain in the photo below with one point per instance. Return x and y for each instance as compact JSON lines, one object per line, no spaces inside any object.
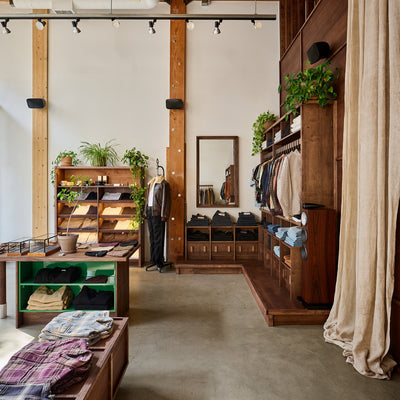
{"x":359,"y":321}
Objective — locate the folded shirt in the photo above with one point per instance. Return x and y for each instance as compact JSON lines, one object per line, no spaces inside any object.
{"x":122,"y":248}
{"x":112,"y":211}
{"x":92,"y":238}
{"x":66,"y":210}
{"x":89,"y":224}
{"x":81,"y":210}
{"x":128,"y":211}
{"x":277,"y":250}
{"x":96,"y":253}
{"x":111,"y":196}
{"x":102,"y":248}
{"x":30,"y":392}
{"x":74,"y":223}
{"x":97,"y":279}
{"x":222,"y":236}
{"x":221,"y":219}
{"x":123,"y":225}
{"x":198,"y":220}
{"x":118,"y":253}
{"x":57,"y":275}
{"x":90,"y":299}
{"x":133,"y":243}
{"x":246,"y":236}
{"x":197,"y":236}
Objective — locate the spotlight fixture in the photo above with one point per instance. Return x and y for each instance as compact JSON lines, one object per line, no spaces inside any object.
{"x":217,"y":31}
{"x":75,"y":29}
{"x":40,"y":24}
{"x":115,"y":23}
{"x":189,"y":25}
{"x":151,"y":30}
{"x":257,"y":24}
{"x":4,"y":23}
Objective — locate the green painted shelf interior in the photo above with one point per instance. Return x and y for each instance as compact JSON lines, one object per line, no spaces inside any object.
{"x":28,"y":270}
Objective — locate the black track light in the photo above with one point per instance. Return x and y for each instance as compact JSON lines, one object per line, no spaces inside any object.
{"x":4,"y":23}
{"x":151,"y":30}
{"x":217,"y":31}
{"x":257,"y":24}
{"x":75,"y":29}
{"x":40,"y":24}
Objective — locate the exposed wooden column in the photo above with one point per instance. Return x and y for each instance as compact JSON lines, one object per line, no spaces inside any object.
{"x":309,"y":6}
{"x":176,"y":151}
{"x":300,"y":14}
{"x":39,"y":129}
{"x":282,"y":26}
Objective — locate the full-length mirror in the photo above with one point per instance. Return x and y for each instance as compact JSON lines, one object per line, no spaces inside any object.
{"x":217,"y":171}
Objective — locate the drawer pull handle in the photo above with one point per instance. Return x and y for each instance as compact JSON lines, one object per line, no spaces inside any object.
{"x":252,"y":249}
{"x":240,"y":249}
{"x":191,"y":249}
{"x":204,"y":249}
{"x":229,"y":249}
{"x":215,"y":249}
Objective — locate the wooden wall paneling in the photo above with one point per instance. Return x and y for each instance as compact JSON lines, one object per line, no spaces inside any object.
{"x":39,"y":129}
{"x":309,"y":6}
{"x":300,"y":8}
{"x":282,"y":26}
{"x":176,"y":151}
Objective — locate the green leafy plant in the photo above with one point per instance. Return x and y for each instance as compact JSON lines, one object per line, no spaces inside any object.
{"x":71,"y":196}
{"x":310,"y":83}
{"x":258,"y":130}
{"x":138,"y":195}
{"x":57,"y":162}
{"x":137,"y":162}
{"x":98,"y":156}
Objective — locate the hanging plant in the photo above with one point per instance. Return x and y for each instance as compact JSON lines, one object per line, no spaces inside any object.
{"x":63,"y":158}
{"x":137,"y":162}
{"x":138,"y":195}
{"x":308,"y":84}
{"x":258,"y":130}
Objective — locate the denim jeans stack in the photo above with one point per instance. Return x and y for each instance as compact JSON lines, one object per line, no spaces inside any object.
{"x":221,"y":219}
{"x":293,"y":237}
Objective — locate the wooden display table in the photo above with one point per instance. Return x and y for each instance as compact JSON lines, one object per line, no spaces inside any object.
{"x":27,"y":267}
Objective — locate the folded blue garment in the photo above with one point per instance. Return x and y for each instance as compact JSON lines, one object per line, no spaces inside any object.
{"x":277,"y":250}
{"x":293,"y":243}
{"x":281,"y":233}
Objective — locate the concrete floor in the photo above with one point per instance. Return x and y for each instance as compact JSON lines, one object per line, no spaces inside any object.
{"x":202,"y":337}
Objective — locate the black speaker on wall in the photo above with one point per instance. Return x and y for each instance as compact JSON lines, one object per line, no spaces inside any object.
{"x":36,"y":103}
{"x":174,"y":104}
{"x":317,"y":51}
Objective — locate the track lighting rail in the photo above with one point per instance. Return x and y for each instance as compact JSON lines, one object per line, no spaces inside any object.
{"x":159,"y":17}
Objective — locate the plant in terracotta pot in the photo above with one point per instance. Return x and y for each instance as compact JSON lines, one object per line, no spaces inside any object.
{"x":137,"y":162}
{"x":64,"y":159}
{"x":98,"y":156}
{"x":263,"y":122}
{"x":312,"y":83}
{"x":68,"y":240}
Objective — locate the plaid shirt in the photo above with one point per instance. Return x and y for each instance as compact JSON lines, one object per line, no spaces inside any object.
{"x":24,"y":392}
{"x":61,"y":364}
{"x":89,"y":325}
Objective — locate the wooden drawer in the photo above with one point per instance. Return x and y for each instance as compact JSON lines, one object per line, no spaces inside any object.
{"x":198,"y":250}
{"x":246,"y":250}
{"x":285,"y":277}
{"x":223,"y":250}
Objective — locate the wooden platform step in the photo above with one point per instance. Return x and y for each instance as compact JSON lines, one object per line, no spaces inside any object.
{"x":207,"y":267}
{"x":274,"y":301}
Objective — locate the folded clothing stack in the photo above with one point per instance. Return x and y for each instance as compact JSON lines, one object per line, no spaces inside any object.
{"x":221,"y":219}
{"x":74,"y":223}
{"x":96,"y":279}
{"x":197,"y":236}
{"x":222,"y":236}
{"x":89,"y":325}
{"x":246,"y":235}
{"x":44,"y":298}
{"x":125,"y":196}
{"x":89,"y":224}
{"x":120,"y":251}
{"x":66,"y":210}
{"x":246,"y":219}
{"x":273,"y":228}
{"x":270,"y":141}
{"x":293,"y":237}
{"x":286,"y":130}
{"x":128,"y":211}
{"x":90,"y":299}
{"x":277,"y":251}
{"x":57,"y":275}
{"x":199,"y":220}
{"x":278,"y":136}
{"x":112,"y":211}
{"x":92,"y":196}
{"x":281,"y":233}
{"x":287,"y":260}
{"x":30,"y":391}
{"x":60,"y":364}
{"x":111,"y":196}
{"x":296,"y":124}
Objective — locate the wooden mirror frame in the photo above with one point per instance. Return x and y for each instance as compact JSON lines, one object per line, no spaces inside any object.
{"x":235,"y":140}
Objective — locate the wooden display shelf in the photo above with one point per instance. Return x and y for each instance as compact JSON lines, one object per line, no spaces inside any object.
{"x":116,"y":201}
{"x":207,"y":267}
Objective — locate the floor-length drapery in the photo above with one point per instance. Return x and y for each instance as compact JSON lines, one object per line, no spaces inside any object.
{"x":359,"y":321}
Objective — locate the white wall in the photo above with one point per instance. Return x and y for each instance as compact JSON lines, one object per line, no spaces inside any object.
{"x":231,"y":79}
{"x":15,"y":132}
{"x":107,"y":83}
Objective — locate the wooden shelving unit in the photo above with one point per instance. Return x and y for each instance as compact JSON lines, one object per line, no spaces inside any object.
{"x":116,"y":175}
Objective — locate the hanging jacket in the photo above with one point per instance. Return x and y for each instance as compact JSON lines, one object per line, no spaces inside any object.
{"x":161,"y":197}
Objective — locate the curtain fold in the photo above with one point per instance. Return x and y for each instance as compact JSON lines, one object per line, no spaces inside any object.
{"x":359,"y":321}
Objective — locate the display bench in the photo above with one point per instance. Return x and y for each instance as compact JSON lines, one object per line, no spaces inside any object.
{"x":100,"y":224}
{"x":109,"y":363}
{"x":27,"y":267}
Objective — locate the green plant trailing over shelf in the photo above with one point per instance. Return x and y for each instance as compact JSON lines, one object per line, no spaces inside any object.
{"x":258,"y":130}
{"x":98,"y":156}
{"x":308,"y":84}
{"x":57,"y":162}
{"x":138,"y":195}
{"x":70,"y":196}
{"x":137,"y":162}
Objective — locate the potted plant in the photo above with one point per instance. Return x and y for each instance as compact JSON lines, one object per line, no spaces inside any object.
{"x":98,"y":156}
{"x":312,"y":83}
{"x":263,"y":122}
{"x":137,"y":162}
{"x":68,"y":240}
{"x":64,"y":159}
